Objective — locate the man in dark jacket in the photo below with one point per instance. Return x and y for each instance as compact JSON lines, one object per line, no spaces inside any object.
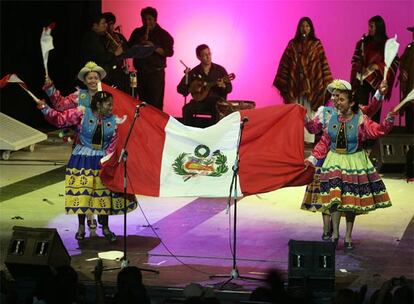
{"x":150,"y":70}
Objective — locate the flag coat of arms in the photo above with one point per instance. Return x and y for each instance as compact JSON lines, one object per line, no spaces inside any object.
{"x":166,"y":158}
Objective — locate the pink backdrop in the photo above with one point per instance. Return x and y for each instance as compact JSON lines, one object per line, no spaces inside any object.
{"x":249,"y":37}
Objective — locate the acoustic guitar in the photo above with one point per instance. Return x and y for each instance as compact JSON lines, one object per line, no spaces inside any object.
{"x":200,"y":89}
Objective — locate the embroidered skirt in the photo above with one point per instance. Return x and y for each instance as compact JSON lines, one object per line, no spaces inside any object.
{"x":84,"y":191}
{"x":351,"y":182}
{"x":312,"y":199}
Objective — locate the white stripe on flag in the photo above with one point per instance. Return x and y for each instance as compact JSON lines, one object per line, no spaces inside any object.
{"x":196,"y":173}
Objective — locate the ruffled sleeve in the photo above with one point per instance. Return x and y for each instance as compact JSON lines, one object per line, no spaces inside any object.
{"x":371,"y":130}
{"x":322,"y":147}
{"x":114,"y":139}
{"x":372,"y":108}
{"x":67,"y":118}
{"x":318,"y":122}
{"x":59,"y":102}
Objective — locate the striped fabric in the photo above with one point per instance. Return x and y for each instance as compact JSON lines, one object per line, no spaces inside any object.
{"x":312,"y":199}
{"x":85,"y":192}
{"x":351,"y":182}
{"x":316,"y":76}
{"x":370,"y":52}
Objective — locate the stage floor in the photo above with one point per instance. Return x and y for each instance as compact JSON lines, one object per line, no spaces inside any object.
{"x":189,"y":239}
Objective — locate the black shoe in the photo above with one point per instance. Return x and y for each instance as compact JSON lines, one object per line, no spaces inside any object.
{"x":92,"y":224}
{"x":326,"y":236}
{"x":335,"y":241}
{"x":80,"y":236}
{"x":100,"y":221}
{"x":348,"y":246}
{"x":109,"y":235}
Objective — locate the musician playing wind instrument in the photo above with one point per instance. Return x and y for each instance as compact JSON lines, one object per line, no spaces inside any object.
{"x":206,"y":79}
{"x":93,"y":48}
{"x":150,"y":70}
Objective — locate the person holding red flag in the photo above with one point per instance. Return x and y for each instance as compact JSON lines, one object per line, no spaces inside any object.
{"x":85,"y":194}
{"x":349,"y":182}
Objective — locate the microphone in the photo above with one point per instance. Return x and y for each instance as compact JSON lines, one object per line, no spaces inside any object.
{"x":244,"y":120}
{"x":141,"y":105}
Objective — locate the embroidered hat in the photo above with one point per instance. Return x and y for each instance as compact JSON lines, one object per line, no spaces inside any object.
{"x":339,"y":84}
{"x":91,"y":67}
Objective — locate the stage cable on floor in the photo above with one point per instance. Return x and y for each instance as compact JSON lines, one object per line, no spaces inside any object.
{"x":162,"y":242}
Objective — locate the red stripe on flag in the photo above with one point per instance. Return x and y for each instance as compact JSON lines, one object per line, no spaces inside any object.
{"x":52,"y":25}
{"x":145,"y":147}
{"x":4,"y":81}
{"x":272,"y":149}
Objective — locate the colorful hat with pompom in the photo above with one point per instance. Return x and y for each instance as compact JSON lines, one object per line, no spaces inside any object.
{"x":91,"y":67}
{"x":339,"y":84}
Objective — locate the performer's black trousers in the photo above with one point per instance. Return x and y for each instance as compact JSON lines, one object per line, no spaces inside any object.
{"x":151,"y":87}
{"x":363,"y":95}
{"x":206,"y":106}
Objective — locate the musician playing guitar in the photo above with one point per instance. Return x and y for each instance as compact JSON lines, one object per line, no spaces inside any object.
{"x":208,"y":83}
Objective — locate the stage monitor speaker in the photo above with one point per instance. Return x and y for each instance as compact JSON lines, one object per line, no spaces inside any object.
{"x":312,"y":264}
{"x":35,"y":252}
{"x":390,"y":152}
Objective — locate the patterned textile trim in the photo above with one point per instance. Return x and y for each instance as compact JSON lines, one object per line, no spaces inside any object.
{"x":357,"y":209}
{"x":348,"y":170}
{"x":362,"y":178}
{"x":77,"y":180}
{"x":312,"y":198}
{"x":86,"y":151}
{"x":344,"y":199}
{"x":86,"y":172}
{"x":81,"y":162}
{"x":355,"y":189}
{"x":312,"y":207}
{"x":87,"y":194}
{"x":105,"y":205}
{"x":131,"y":205}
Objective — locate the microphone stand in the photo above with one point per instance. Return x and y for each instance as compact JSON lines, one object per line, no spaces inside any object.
{"x":234,"y":274}
{"x":124,"y":157}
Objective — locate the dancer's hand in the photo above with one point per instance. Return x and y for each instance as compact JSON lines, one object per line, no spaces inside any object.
{"x":48,"y":81}
{"x":391,"y":116}
{"x":308,"y":164}
{"x":383,"y":88}
{"x":40,"y":104}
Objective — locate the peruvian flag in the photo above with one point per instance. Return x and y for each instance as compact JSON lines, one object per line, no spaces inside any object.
{"x":46,"y":43}
{"x":167,"y":158}
{"x":11,"y":78}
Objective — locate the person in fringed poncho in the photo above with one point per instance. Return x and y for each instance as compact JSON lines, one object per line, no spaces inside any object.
{"x":303,"y":73}
{"x":368,"y":64}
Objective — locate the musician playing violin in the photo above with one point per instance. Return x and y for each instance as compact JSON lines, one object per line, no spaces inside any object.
{"x":198,"y":80}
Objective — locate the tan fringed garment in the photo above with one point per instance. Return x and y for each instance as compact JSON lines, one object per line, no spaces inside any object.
{"x":316,"y":76}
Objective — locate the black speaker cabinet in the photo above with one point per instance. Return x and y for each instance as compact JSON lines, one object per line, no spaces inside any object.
{"x":391,"y":151}
{"x":34,"y":252}
{"x":312,"y":263}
